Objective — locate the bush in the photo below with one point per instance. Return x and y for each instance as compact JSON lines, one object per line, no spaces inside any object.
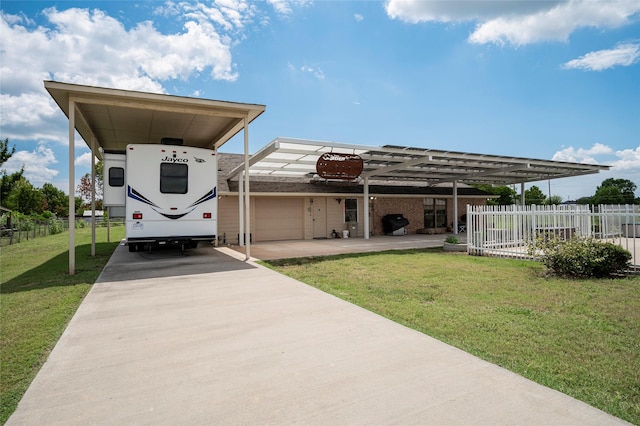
{"x":55,"y":226}
{"x":452,"y":240}
{"x":581,"y":257}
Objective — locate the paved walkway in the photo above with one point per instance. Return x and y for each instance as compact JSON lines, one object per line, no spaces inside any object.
{"x":205,"y":338}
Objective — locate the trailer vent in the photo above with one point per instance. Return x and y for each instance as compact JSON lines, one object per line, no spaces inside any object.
{"x":172,"y":141}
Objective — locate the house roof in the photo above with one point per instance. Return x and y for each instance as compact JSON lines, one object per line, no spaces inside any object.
{"x":110,"y":118}
{"x":298,"y":158}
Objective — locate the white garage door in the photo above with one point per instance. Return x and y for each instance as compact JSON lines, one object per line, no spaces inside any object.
{"x":279,"y":219}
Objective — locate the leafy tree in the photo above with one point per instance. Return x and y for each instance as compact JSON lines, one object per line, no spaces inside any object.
{"x":84,"y":188}
{"x":7,"y":181}
{"x":615,"y":191}
{"x":584,"y":200}
{"x":56,"y":200}
{"x":4,"y":151}
{"x":554,"y":200}
{"x":26,"y":199}
{"x":534,"y":195}
{"x":507,"y":195}
{"x":608,"y":195}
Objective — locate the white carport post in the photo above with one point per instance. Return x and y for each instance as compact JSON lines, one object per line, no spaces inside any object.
{"x":522,"y":193}
{"x":241,"y":209}
{"x":247,"y":211}
{"x":72,"y":196}
{"x":93,"y":199}
{"x":455,"y":207}
{"x":366,"y":208}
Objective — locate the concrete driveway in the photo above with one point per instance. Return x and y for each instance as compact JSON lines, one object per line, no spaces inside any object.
{"x":205,"y":338}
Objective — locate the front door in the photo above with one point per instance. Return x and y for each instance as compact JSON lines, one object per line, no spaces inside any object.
{"x":319,"y":208}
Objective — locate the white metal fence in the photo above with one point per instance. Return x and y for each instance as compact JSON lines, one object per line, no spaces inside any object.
{"x":507,"y":231}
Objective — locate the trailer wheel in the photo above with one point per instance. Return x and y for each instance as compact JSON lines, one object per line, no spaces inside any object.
{"x":133,"y":247}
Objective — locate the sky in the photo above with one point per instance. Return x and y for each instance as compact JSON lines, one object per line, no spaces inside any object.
{"x":556,"y":80}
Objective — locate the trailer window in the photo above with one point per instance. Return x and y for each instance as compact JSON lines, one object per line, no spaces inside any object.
{"x":174,"y":178}
{"x":116,"y":176}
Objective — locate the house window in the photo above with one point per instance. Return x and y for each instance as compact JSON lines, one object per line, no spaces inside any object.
{"x":435,"y":213}
{"x":116,"y":176}
{"x":174,"y":178}
{"x":350,"y":210}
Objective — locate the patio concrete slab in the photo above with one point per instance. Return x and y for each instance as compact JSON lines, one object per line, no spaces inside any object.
{"x":205,"y":338}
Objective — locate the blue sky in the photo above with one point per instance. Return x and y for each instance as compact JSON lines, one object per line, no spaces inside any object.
{"x":542,"y":79}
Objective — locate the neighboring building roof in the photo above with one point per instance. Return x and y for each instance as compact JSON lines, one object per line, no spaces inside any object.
{"x":305,"y":185}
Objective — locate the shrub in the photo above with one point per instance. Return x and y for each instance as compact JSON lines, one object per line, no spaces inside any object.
{"x":55,"y":226}
{"x":581,"y":257}
{"x":452,"y":240}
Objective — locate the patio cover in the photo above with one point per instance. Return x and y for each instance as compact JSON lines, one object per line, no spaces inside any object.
{"x":109,"y":119}
{"x":298,"y":157}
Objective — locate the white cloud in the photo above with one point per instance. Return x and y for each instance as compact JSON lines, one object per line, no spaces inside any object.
{"x":518,"y":22}
{"x":84,"y":160}
{"x":36,"y":165}
{"x":624,"y":54}
{"x":314,"y":71}
{"x":582,"y":155}
{"x":628,"y":159}
{"x":358,"y":17}
{"x":285,"y":7}
{"x":87,"y":46}
{"x":625,"y":164}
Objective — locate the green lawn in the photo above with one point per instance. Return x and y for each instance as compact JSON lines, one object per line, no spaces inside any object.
{"x":581,"y":337}
{"x":37,"y":300}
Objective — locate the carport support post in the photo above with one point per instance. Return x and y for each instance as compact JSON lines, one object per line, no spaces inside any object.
{"x":72,"y":195}
{"x":522,"y":193}
{"x":247,"y":211}
{"x":366,"y":208}
{"x":455,"y":207}
{"x":93,"y":200}
{"x":241,"y":209}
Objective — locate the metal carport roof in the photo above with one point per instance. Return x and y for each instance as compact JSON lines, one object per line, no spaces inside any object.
{"x":298,"y":157}
{"x":109,"y":119}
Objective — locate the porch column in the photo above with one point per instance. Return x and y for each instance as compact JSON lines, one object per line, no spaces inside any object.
{"x":366,"y":208}
{"x":72,"y":194}
{"x":455,"y":207}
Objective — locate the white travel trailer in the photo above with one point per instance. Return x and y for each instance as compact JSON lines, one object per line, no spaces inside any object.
{"x":166,"y":192}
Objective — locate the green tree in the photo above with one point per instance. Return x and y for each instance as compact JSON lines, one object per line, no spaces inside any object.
{"x":56,"y":201}
{"x":507,"y":195}
{"x":615,"y":191}
{"x":7,"y":181}
{"x":84,"y":187}
{"x":4,"y":151}
{"x":534,"y":195}
{"x":26,"y":199}
{"x":584,"y":200}
{"x":554,"y":200}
